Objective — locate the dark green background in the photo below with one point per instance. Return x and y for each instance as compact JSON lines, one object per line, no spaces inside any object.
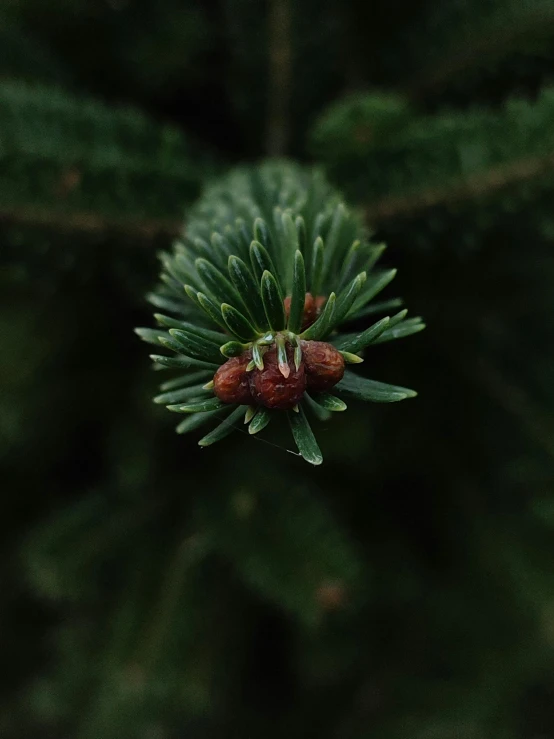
{"x":153,"y":589}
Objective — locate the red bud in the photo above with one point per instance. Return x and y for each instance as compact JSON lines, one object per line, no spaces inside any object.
{"x":271,"y":389}
{"x":231,"y":383}
{"x":324,"y":365}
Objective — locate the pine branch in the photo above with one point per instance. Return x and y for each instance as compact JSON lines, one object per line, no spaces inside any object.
{"x":281,"y":67}
{"x":89,"y":223}
{"x":278,"y":288}
{"x":73,"y":160}
{"x":287,"y":546}
{"x":445,"y":159}
{"x":280,"y":76}
{"x":473,"y":188}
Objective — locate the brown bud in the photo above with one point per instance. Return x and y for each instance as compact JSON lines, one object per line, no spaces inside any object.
{"x":271,"y":389}
{"x":332,"y":595}
{"x":324,"y":365}
{"x":231,"y":380}
{"x":310,"y":312}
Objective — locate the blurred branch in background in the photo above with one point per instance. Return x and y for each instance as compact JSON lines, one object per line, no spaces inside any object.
{"x":403,"y":161}
{"x":70,"y":161}
{"x":91,"y":223}
{"x":473,"y":188}
{"x":280,"y":76}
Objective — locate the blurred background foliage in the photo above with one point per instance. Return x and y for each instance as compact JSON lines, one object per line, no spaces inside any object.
{"x":152,"y":590}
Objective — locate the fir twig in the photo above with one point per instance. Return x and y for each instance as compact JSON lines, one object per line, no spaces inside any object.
{"x":273,"y":351}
